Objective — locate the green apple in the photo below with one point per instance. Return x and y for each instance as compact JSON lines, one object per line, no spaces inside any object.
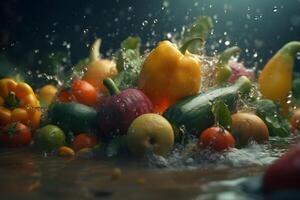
{"x":150,"y":133}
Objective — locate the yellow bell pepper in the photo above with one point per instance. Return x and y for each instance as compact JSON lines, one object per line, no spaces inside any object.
{"x":18,"y":103}
{"x":275,"y":80}
{"x":169,"y":74}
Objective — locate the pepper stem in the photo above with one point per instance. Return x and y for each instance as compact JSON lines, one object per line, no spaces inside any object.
{"x":227,"y":54}
{"x":95,"y":50}
{"x":11,"y":100}
{"x":111,"y":86}
{"x":291,"y":48}
{"x":186,"y":45}
{"x":223,"y":69}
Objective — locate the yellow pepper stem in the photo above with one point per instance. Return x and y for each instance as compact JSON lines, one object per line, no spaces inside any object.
{"x":11,"y":100}
{"x":291,"y":49}
{"x":95,"y":50}
{"x":223,"y":69}
{"x":186,"y":45}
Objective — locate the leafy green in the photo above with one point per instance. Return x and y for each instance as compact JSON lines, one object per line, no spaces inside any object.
{"x":117,"y":146}
{"x":296,"y":88}
{"x":268,"y":112}
{"x":201,"y":27}
{"x":222,"y":114}
{"x":129,"y":63}
{"x":76,"y":71}
{"x":131,"y":43}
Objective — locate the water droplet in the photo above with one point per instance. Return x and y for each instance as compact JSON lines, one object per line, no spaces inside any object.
{"x":166,"y":3}
{"x":144,"y":23}
{"x":227,"y":43}
{"x":169,"y":35}
{"x":85,"y":31}
{"x":298,"y":56}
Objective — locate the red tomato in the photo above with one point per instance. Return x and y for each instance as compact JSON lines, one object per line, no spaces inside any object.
{"x":295,"y":120}
{"x":64,"y":96}
{"x":15,"y":135}
{"x":83,"y":92}
{"x":217,"y":138}
{"x":83,"y":140}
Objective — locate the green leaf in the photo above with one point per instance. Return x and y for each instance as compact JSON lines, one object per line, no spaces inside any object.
{"x":79,"y":68}
{"x":69,"y":137}
{"x":131,"y":43}
{"x":117,"y":146}
{"x":129,"y":63}
{"x":201,"y":27}
{"x":268,"y":112}
{"x":222,"y":114}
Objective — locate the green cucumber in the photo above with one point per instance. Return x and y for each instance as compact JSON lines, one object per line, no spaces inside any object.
{"x":73,"y":117}
{"x":194,"y":113}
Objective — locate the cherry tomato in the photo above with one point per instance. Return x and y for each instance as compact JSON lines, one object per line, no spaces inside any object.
{"x":83,"y":92}
{"x":84,"y":141}
{"x":15,"y":135}
{"x":64,"y":96}
{"x":217,"y":138}
{"x":295,"y":120}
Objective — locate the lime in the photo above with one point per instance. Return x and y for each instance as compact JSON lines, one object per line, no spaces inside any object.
{"x":49,"y":137}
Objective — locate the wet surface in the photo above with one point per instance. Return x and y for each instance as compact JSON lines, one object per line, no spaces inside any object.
{"x":30,"y":175}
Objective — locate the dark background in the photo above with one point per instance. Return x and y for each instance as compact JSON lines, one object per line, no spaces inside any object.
{"x":30,"y":29}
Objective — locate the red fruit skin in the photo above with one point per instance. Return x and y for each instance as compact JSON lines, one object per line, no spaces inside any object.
{"x":21,"y":136}
{"x":217,"y":138}
{"x":284,"y":173}
{"x":84,"y":141}
{"x":117,"y":112}
{"x":84,"y":93}
{"x":295,"y":120}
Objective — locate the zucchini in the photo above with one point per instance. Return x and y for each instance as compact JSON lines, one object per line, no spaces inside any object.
{"x":194,"y":113}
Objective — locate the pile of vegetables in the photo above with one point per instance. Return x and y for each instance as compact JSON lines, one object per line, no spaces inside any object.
{"x":135,"y":104}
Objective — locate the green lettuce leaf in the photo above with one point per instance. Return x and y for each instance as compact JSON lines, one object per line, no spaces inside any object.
{"x":222,"y":114}
{"x":201,"y":27}
{"x":268,"y":112}
{"x":129,"y":63}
